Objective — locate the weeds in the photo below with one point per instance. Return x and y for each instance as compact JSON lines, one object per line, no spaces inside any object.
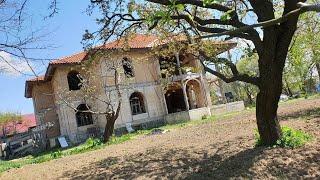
{"x":290,"y":138}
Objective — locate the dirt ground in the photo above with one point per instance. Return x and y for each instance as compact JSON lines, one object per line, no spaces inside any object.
{"x":220,"y":150}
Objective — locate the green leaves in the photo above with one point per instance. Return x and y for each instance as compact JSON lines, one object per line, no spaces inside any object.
{"x":163,"y":16}
{"x":179,"y":7}
{"x":226,"y":16}
{"x":291,"y":138}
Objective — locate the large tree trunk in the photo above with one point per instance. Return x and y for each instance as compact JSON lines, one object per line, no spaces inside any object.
{"x":272,"y":57}
{"x":266,"y":113}
{"x":111,"y":120}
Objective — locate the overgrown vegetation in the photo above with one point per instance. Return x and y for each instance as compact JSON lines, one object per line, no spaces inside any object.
{"x":291,"y":138}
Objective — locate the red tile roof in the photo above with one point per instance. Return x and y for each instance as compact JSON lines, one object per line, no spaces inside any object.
{"x":36,"y":79}
{"x":136,"y":42}
{"x":73,"y":59}
{"x":27,"y":121}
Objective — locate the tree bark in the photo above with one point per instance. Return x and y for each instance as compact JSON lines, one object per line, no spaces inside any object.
{"x":318,"y":69}
{"x":266,"y":113}
{"x":111,"y":119}
{"x":108,"y":130}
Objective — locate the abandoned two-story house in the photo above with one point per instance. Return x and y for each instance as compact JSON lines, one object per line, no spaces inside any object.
{"x":145,"y":104}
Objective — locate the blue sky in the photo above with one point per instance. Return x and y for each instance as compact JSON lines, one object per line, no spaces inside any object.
{"x":66,"y":29}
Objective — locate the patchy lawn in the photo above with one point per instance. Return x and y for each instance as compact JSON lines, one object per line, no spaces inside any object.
{"x":204,"y":149}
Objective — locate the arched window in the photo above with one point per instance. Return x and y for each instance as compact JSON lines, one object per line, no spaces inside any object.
{"x":137,"y":103}
{"x":74,"y":80}
{"x":83,"y":117}
{"x":127,"y":67}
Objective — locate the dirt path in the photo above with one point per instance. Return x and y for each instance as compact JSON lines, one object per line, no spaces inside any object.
{"x":219,"y":150}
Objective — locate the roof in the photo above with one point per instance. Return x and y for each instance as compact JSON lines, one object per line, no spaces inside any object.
{"x":137,"y":41}
{"x":36,"y":79}
{"x":20,"y":126}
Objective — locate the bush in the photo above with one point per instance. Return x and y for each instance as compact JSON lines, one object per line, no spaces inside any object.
{"x":204,"y":117}
{"x":56,"y":154}
{"x":93,"y":142}
{"x":290,"y":138}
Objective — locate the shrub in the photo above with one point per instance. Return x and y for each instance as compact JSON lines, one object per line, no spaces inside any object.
{"x":293,"y":138}
{"x":56,"y":154}
{"x":204,"y":117}
{"x":93,"y":142}
{"x":290,"y":138}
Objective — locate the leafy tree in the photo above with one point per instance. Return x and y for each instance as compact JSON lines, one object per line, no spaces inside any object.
{"x":303,"y":56}
{"x":271,"y":31}
{"x":248,"y":65}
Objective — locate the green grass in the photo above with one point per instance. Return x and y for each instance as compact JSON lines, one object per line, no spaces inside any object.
{"x":291,"y":138}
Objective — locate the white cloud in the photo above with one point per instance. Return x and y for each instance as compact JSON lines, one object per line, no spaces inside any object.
{"x":13,"y":66}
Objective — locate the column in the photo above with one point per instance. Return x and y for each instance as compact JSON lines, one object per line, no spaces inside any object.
{"x":178,"y":62}
{"x":185,"y":96}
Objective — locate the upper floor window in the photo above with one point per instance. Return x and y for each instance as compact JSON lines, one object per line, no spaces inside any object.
{"x":137,"y":103}
{"x":127,"y":67}
{"x":74,"y":80}
{"x":83,"y":116}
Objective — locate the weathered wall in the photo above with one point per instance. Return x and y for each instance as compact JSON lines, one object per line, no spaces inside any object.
{"x":229,"y":107}
{"x":45,"y":109}
{"x":146,"y":72}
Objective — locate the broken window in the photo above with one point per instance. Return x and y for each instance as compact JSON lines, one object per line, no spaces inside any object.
{"x":83,"y":117}
{"x":127,"y":67}
{"x":74,"y":80}
{"x":137,"y":103}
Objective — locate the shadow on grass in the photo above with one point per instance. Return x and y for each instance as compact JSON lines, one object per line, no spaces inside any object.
{"x":225,"y":160}
{"x":186,"y":163}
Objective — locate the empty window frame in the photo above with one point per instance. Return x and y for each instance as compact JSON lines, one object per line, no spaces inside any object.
{"x":83,"y":117}
{"x":137,"y":103}
{"x":74,"y":80}
{"x":127,"y":67}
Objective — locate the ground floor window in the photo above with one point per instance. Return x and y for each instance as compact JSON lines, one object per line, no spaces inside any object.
{"x":137,"y":103}
{"x":83,"y":116}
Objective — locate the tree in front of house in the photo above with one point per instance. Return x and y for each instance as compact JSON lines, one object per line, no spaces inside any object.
{"x":270,"y":30}
{"x":93,"y":88}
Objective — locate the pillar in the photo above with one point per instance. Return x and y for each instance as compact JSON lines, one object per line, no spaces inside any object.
{"x":185,"y":96}
{"x":178,"y":62}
